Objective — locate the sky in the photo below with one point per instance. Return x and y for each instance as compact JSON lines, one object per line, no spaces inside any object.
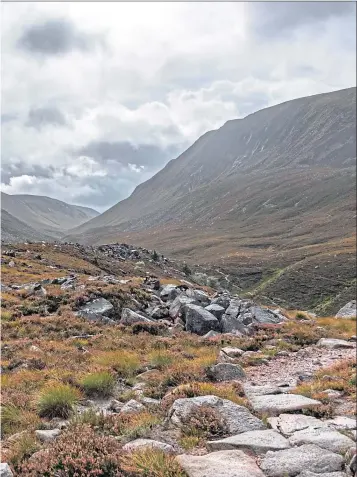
{"x":97,"y":97}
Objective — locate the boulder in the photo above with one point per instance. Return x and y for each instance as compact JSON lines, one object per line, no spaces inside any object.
{"x":326,"y":438}
{"x":291,"y":462}
{"x":230,"y":463}
{"x":347,"y":311}
{"x":169,"y":292}
{"x":132,"y":407}
{"x":99,"y":306}
{"x":226,"y":372}
{"x":200,"y":321}
{"x":258,"y":442}
{"x":222,"y":300}
{"x":229,"y":355}
{"x":264,"y":315}
{"x":140,"y":444}
{"x":199,"y":296}
{"x":158,"y":312}
{"x":237,"y":418}
{"x":5,"y":470}
{"x":177,"y":308}
{"x":129,"y":317}
{"x":275,"y":404}
{"x":216,"y":310}
{"x":287,"y":424}
{"x":333,"y":343}
{"x":47,"y":435}
{"x":211,"y":334}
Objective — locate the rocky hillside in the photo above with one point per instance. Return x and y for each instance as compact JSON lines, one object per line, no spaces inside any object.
{"x":49,"y":218}
{"x":267,"y":197}
{"x":115,"y":364}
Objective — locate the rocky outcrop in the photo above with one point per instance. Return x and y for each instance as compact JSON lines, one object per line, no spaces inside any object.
{"x":200,"y":321}
{"x":347,"y":311}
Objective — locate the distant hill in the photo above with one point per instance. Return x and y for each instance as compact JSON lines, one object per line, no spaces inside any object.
{"x":45,"y":217}
{"x":257,"y":197}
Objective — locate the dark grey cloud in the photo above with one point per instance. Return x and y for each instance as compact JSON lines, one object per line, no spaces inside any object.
{"x":56,"y":37}
{"x":276,"y":19}
{"x":17,"y":168}
{"x":125,"y":153}
{"x":41,"y":117}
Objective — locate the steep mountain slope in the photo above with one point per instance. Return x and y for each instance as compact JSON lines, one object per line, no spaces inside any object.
{"x":14,"y":230}
{"x":252,"y":196}
{"x":48,"y":217}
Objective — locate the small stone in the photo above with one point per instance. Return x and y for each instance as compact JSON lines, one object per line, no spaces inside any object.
{"x":287,"y":424}
{"x":132,"y":407}
{"x":47,"y":435}
{"x":211,"y":334}
{"x":307,"y":473}
{"x":333,"y":343}
{"x":115,"y":405}
{"x":5,"y":470}
{"x":226,"y":372}
{"x":139,"y":444}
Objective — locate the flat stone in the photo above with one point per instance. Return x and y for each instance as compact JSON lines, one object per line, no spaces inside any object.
{"x":132,"y":406}
{"x":326,"y":438}
{"x":47,"y":435}
{"x":291,"y":462}
{"x":231,"y":463}
{"x":333,"y":343}
{"x":307,"y":473}
{"x":287,"y":424}
{"x":257,"y":441}
{"x":148,"y":443}
{"x":261,"y":390}
{"x":226,"y":372}
{"x":237,"y":418}
{"x":342,"y":422}
{"x":275,"y":404}
{"x":5,"y":470}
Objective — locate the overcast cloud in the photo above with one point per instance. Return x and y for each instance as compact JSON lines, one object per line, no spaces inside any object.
{"x":97,"y":97}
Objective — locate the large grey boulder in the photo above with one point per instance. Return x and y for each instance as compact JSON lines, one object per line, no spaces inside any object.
{"x":177,"y":308}
{"x":347,"y":311}
{"x":333,"y":343}
{"x":129,"y":317}
{"x":5,"y":470}
{"x":328,"y":439}
{"x":230,"y":463}
{"x":291,"y":462}
{"x":169,"y":292}
{"x":258,"y":442}
{"x":200,"y":321}
{"x":226,"y":372}
{"x":100,"y":306}
{"x":237,"y":418}
{"x":275,"y":404}
{"x":287,"y":424}
{"x":216,"y":310}
{"x":264,"y":315}
{"x":140,"y":444}
{"x":222,"y":300}
{"x":199,"y":296}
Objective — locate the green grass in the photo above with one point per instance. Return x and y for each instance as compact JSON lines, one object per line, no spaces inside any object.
{"x":98,"y":384}
{"x":57,"y":401}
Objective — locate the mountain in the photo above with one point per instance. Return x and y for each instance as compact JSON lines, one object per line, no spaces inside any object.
{"x":14,"y":230}
{"x":43,"y":217}
{"x":261,"y":197}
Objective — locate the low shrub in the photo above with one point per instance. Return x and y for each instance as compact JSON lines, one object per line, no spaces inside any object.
{"x":78,"y":452}
{"x":205,"y":422}
{"x":151,"y":463}
{"x":122,"y":362}
{"x":57,"y":401}
{"x":98,"y":384}
{"x":160,"y":359}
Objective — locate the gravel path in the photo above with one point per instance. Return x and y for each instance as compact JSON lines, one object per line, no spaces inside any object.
{"x":286,"y":369}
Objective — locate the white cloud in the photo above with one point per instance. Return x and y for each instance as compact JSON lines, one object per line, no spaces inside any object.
{"x":163,"y":74}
